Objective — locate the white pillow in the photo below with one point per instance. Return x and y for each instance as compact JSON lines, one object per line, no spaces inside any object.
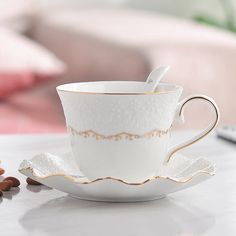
{"x":24,"y":63}
{"x":15,"y":14}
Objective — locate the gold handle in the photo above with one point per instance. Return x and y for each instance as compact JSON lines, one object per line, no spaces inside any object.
{"x":180,"y":113}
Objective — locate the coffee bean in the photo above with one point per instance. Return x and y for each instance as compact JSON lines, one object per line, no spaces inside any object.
{"x":2,"y":171}
{"x":32,"y":182}
{"x":15,"y":181}
{"x":6,"y":185}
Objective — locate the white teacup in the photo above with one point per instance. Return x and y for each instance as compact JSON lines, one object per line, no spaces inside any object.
{"x":117,"y":130}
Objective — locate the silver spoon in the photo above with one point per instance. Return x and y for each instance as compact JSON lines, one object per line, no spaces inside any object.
{"x":155,"y":77}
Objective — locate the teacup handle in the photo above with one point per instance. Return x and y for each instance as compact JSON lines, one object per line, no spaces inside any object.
{"x":180,"y":115}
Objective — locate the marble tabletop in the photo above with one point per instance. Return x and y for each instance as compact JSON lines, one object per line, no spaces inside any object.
{"x":206,"y":209}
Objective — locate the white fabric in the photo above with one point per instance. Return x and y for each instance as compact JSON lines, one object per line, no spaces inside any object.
{"x":18,"y":53}
{"x":15,"y":13}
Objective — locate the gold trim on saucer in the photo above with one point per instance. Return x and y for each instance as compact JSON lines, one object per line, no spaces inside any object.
{"x":118,"y":136}
{"x":74,"y":179}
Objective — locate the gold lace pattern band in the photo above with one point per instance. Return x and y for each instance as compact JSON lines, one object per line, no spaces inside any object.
{"x":118,"y":136}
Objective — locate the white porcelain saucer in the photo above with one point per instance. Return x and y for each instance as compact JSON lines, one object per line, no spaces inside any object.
{"x":62,"y":173}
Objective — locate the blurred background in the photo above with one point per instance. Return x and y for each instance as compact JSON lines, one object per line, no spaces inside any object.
{"x":44,"y":43}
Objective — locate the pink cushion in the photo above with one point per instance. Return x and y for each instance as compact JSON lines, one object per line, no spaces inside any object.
{"x":202,"y":58}
{"x":24,"y":63}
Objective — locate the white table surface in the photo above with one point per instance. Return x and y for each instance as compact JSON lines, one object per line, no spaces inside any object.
{"x":206,"y":209}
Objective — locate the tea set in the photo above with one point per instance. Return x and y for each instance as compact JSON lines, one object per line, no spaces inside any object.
{"x":119,"y":134}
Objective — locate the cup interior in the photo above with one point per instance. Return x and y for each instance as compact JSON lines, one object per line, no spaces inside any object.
{"x":114,"y":87}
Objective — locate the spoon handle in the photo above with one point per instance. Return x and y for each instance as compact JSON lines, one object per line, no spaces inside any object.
{"x":155,"y":77}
